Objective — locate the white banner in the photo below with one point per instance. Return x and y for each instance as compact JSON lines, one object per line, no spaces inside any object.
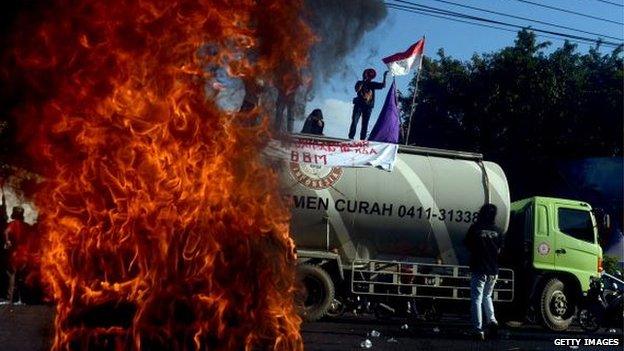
{"x":362,"y":153}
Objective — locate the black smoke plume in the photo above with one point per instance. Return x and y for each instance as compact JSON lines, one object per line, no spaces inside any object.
{"x":340,"y":26}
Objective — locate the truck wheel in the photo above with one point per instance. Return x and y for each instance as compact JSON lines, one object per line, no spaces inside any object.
{"x":317,"y":292}
{"x":556,"y":308}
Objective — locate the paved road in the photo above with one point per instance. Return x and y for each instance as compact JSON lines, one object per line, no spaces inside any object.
{"x":450,"y":334}
{"x":29,"y":328}
{"x":25,"y":328}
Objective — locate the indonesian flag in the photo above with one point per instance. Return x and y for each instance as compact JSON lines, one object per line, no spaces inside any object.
{"x":401,"y":63}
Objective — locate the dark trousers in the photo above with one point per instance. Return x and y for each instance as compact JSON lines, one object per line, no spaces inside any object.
{"x":365,"y":112}
{"x":15,"y":284}
{"x":284,"y":103}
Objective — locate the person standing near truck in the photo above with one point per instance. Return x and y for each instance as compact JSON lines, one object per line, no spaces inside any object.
{"x":364,"y":102}
{"x":484,"y":242}
{"x":14,"y":242}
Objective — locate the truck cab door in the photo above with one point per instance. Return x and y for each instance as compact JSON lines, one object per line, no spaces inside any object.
{"x":576,"y":249}
{"x":543,"y":242}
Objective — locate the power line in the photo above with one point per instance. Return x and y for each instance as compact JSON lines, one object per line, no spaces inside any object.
{"x":526,"y":19}
{"x":569,"y":11}
{"x":414,"y":6}
{"x":429,"y":9}
{"x":411,"y":10}
{"x":611,"y":3}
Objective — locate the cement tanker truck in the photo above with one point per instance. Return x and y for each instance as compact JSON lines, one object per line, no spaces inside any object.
{"x":396,"y":236}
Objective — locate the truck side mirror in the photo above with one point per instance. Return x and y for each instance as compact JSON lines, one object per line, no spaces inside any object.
{"x":606,"y":221}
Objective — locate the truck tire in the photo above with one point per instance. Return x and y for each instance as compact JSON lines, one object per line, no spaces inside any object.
{"x":317,"y":292}
{"x":555,"y":307}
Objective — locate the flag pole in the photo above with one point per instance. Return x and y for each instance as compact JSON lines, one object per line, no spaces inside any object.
{"x":409,"y":120}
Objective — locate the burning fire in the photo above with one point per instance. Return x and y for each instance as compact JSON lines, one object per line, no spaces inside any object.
{"x":162,"y":228}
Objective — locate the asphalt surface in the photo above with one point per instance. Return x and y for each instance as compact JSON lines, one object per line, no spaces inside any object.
{"x":348,"y":333}
{"x":29,"y":328}
{"x":25,"y":328}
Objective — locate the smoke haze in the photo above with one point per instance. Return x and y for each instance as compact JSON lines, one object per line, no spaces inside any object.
{"x":340,"y":27}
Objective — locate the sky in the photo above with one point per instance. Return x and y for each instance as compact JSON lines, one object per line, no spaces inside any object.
{"x":459,"y":40}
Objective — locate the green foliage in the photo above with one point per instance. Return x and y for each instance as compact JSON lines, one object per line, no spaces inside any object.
{"x":610,"y":264}
{"x":521,"y":103}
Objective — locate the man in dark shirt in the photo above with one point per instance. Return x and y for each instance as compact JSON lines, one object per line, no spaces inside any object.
{"x":364,"y":102}
{"x":484,"y":241}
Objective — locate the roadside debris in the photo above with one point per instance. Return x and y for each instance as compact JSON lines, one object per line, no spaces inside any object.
{"x":404,"y":327}
{"x":393,"y":341}
{"x":374,"y":334}
{"x":366,"y":344}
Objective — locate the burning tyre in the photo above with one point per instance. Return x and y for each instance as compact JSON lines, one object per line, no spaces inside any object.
{"x":163,"y":228}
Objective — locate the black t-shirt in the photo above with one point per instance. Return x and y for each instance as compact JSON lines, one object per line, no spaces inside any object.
{"x":365,"y":90}
{"x":313,"y":125}
{"x":484,"y":242}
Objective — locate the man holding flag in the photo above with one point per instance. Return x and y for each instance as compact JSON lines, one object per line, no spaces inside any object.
{"x":364,"y":102}
{"x":387,"y":127}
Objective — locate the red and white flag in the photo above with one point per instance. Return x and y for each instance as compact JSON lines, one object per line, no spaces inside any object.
{"x":400,"y":63}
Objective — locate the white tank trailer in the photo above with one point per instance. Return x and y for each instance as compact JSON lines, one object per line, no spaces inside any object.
{"x":384,"y":236}
{"x":419,"y":212}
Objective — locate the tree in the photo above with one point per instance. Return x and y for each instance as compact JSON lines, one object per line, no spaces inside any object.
{"x":522,"y":104}
{"x":524,"y":109}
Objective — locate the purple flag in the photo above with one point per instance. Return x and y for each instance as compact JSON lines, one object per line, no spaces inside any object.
{"x":386,"y":128}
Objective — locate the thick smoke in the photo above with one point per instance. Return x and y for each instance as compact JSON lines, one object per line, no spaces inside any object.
{"x":340,"y":26}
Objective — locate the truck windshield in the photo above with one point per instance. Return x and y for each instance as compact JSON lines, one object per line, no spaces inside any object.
{"x":576,"y":223}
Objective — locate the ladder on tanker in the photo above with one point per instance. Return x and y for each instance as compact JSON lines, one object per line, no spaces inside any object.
{"x":422,"y":280}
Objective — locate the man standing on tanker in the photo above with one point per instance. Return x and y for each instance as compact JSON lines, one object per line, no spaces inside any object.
{"x":364,"y":102}
{"x":484,"y":241}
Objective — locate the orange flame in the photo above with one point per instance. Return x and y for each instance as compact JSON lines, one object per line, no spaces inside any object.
{"x":162,"y":227}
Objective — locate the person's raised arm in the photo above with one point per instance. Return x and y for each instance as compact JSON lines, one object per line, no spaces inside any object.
{"x":378,"y":85}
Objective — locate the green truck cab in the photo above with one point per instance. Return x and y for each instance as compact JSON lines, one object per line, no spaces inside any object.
{"x":552,"y":245}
